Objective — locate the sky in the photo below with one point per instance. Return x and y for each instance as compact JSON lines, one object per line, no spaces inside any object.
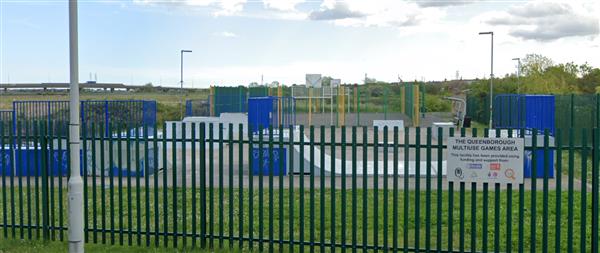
{"x":236,"y":42}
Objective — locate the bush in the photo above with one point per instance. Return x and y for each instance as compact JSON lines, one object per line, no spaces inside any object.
{"x":437,"y":104}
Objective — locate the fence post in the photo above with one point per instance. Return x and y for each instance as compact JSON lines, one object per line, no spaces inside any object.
{"x":595,"y":155}
{"x":597,"y":111}
{"x":595,"y":179}
{"x":572,"y":111}
{"x":44,"y":174}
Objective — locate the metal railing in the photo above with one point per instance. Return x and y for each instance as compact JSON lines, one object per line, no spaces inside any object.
{"x":341,"y":189}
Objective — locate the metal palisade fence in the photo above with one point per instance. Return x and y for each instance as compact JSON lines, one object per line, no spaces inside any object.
{"x":296,"y":189}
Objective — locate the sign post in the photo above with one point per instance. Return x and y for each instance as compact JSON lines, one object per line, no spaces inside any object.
{"x":485,"y":160}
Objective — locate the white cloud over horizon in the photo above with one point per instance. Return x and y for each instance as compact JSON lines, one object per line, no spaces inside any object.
{"x":547,"y":21}
{"x":235,"y":41}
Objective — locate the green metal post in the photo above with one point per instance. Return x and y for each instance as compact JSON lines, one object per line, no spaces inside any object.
{"x":533,"y":191}
{"x":545,"y":198}
{"x":174,"y":182}
{"x":221,"y":187}
{"x":332,"y":177}
{"x":385,"y":189}
{"x":302,"y":192}
{"x":322,"y":190}
{"x":292,"y":218}
{"x":365,"y":215}
{"x":129,"y":197}
{"x":354,"y":198}
{"x":251,"y":187}
{"x":583,"y":207}
{"x":230,"y":176}
{"x":312,"y":189}
{"x":375,"y":187}
{"x":558,"y":175}
{"x":271,"y":201}
{"x":406,"y":206}
{"x":193,"y":143}
{"x":203,"y":185}
{"x":94,"y":191}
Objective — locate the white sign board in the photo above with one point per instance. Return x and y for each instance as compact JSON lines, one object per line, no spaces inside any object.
{"x":335,"y":82}
{"x":313,"y":80}
{"x":485,"y":160}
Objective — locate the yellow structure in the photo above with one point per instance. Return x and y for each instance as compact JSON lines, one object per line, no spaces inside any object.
{"x":402,"y":95}
{"x":341,"y":99}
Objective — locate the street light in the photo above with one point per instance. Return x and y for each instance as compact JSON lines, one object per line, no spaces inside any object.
{"x":518,"y":73}
{"x":75,"y":183}
{"x":181,"y":80}
{"x":491,"y":76}
{"x":183,"y":51}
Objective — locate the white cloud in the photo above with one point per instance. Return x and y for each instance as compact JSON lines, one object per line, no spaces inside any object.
{"x":221,"y":7}
{"x":176,"y":2}
{"x":546,"y":21}
{"x":442,"y":3}
{"x":230,"y":7}
{"x":339,"y":10}
{"x":226,"y":34}
{"x":282,"y":5}
{"x":379,"y":13}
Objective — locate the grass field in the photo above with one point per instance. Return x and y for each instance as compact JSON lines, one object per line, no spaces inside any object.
{"x":375,"y":226}
{"x":35,"y":246}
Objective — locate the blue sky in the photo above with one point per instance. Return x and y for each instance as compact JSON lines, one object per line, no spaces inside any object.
{"x":236,"y":41}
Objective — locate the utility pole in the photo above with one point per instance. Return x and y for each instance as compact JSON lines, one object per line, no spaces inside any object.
{"x":181,"y":81}
{"x":75,"y":184}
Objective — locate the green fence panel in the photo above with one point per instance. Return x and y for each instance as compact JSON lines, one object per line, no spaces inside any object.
{"x":196,"y":187}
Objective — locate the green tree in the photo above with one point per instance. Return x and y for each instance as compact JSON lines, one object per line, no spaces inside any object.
{"x":535,"y":64}
{"x":591,"y":81}
{"x":326,"y":80}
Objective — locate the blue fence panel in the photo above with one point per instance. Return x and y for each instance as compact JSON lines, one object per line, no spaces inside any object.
{"x":55,"y":114}
{"x":271,"y":111}
{"x":260,"y":112}
{"x":539,"y":112}
{"x":527,"y":112}
{"x":6,"y":121}
{"x":26,"y":163}
{"x":524,"y":111}
{"x":197,"y":107}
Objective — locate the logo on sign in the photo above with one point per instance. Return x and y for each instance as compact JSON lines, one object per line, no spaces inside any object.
{"x":495,"y":166}
{"x":476,"y":166}
{"x":510,"y":173}
{"x":492,"y":175}
{"x":459,"y":173}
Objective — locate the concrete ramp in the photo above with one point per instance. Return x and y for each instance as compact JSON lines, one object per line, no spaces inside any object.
{"x":328,"y":170}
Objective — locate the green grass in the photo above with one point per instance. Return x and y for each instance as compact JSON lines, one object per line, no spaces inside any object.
{"x":367,"y":228}
{"x":34,"y":246}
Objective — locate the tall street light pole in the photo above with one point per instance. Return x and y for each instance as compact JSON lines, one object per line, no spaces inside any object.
{"x":491,"y":76}
{"x":518,"y":74}
{"x":181,"y":80}
{"x":75,"y":184}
